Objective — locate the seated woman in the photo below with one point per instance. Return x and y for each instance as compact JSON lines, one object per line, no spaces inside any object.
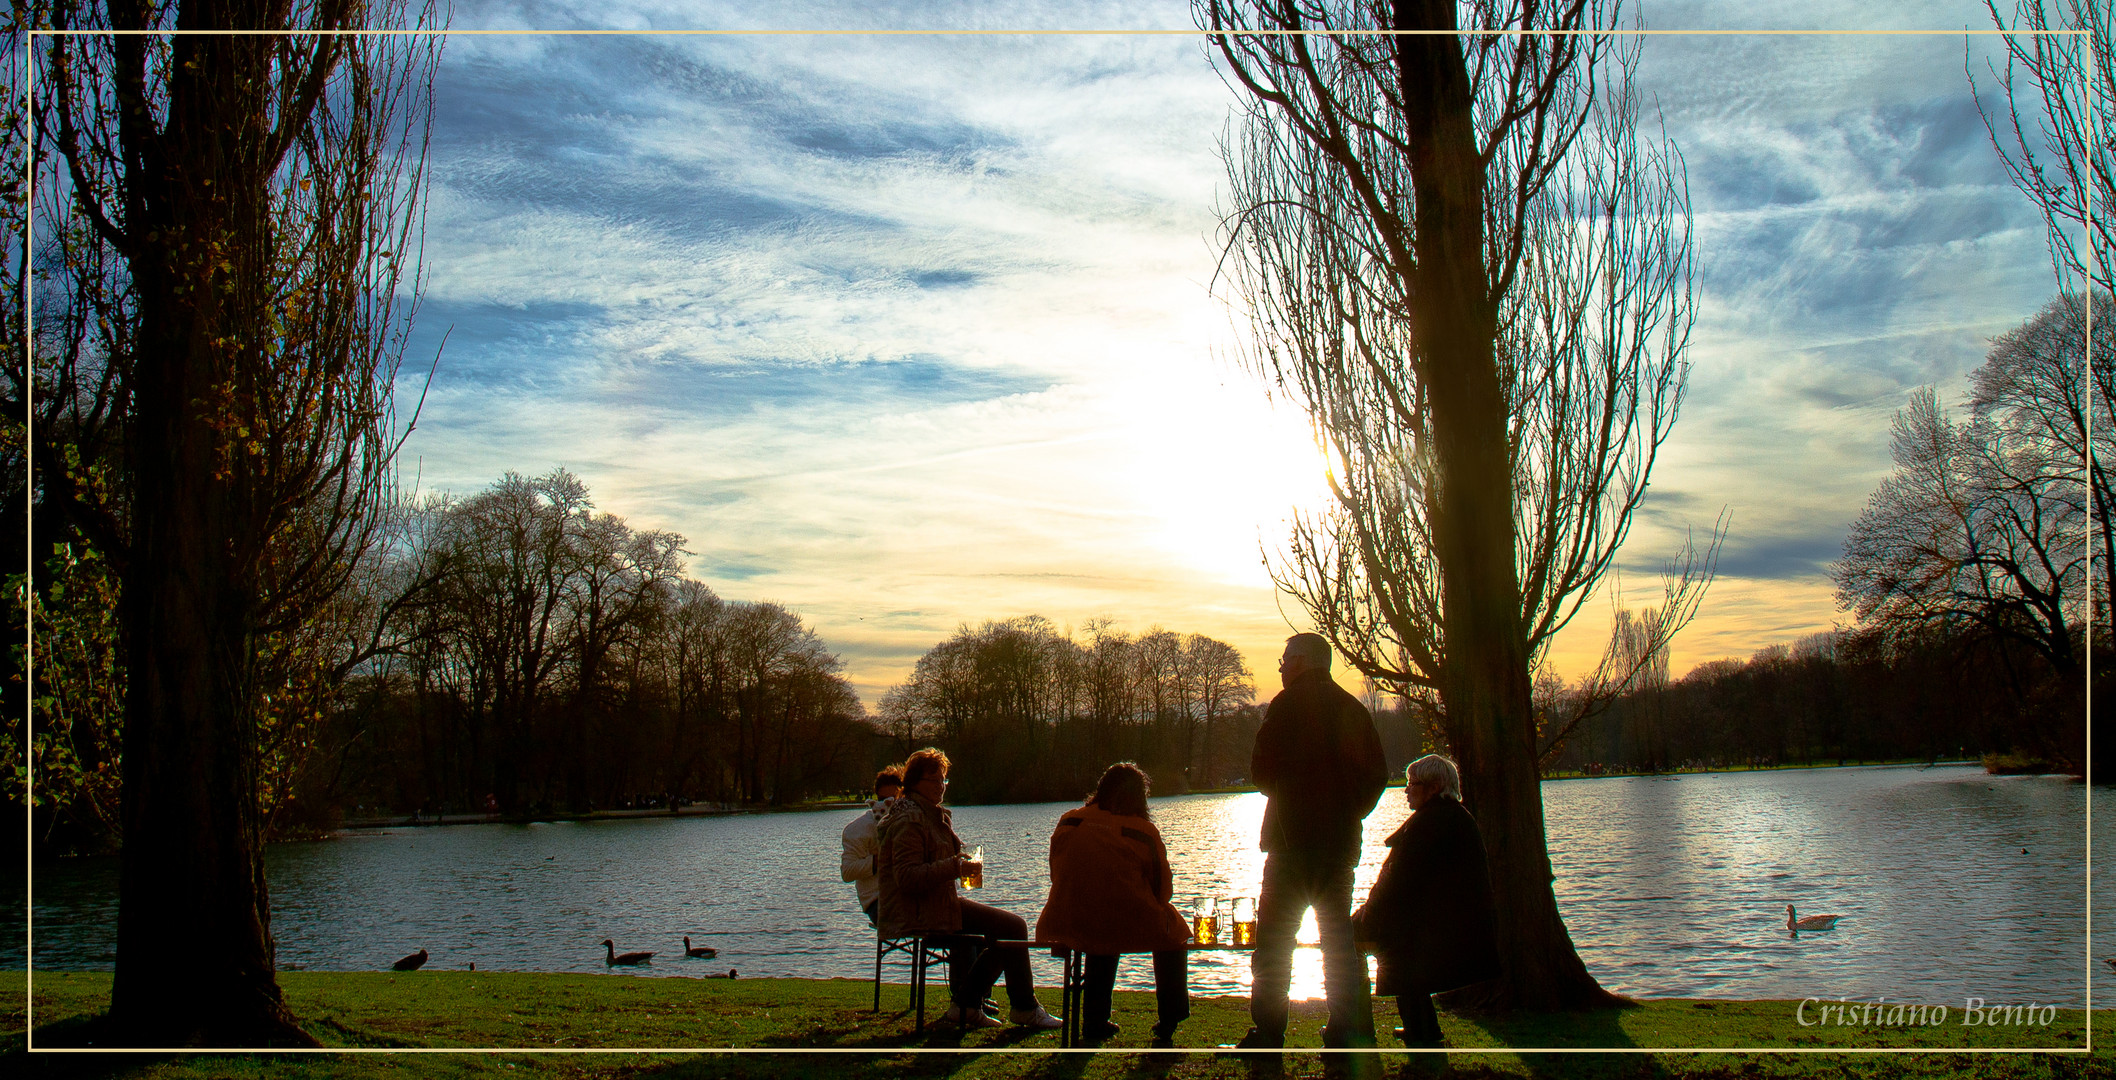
{"x":1110,"y":886}
{"x":919,"y":862}
{"x":1430,"y":911}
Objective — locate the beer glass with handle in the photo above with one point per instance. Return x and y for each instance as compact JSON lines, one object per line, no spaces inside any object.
{"x":1245,"y":922}
{"x":1204,"y":923}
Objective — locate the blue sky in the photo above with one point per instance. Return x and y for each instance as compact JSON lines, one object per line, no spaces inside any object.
{"x":909,"y":331}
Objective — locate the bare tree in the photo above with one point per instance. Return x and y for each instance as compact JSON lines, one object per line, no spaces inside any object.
{"x":513,"y":557}
{"x":1465,"y":263}
{"x":624,"y":582}
{"x":1984,"y":524}
{"x":1224,"y":684}
{"x":2060,"y":64}
{"x":2060,"y":61}
{"x":234,"y":219}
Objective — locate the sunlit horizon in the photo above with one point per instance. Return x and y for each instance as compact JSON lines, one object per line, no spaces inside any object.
{"x":911,"y":333}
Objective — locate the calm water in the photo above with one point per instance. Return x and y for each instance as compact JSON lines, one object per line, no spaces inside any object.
{"x":1951,"y":884}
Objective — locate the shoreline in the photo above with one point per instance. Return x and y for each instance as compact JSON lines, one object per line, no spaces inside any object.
{"x":573,"y":1011}
{"x":724,"y":810}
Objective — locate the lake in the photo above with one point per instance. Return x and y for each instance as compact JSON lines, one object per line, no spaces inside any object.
{"x":1951,"y":884}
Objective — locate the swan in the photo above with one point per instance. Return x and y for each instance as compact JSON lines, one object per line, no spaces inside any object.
{"x":612,"y":956}
{"x":703,"y":952}
{"x":1812,"y":922}
{"x":410,"y":963}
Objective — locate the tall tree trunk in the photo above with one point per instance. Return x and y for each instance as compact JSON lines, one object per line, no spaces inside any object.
{"x":1485,"y":684}
{"x":195,"y":950}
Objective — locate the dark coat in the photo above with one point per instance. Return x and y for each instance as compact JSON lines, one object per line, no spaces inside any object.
{"x":1110,"y":886}
{"x":918,"y":858}
{"x":1430,"y":911}
{"x":1318,"y":759}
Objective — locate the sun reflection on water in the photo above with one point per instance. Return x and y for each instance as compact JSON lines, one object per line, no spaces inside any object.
{"x":1212,"y":849}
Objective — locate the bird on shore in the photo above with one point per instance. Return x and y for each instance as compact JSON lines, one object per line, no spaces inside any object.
{"x":1811,"y":922}
{"x":631,"y":959}
{"x":703,"y":952}
{"x":410,"y":963}
{"x":716,"y":975}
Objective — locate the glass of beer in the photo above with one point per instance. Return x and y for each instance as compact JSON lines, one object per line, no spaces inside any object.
{"x":1205,"y":922}
{"x":1244,"y":922}
{"x":975,"y":879}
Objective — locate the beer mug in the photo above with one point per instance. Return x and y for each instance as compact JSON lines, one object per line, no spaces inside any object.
{"x":975,"y":879}
{"x":1205,"y":923}
{"x":1244,"y":922}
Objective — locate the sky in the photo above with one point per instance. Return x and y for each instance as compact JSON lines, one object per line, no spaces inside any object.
{"x":912,"y":331}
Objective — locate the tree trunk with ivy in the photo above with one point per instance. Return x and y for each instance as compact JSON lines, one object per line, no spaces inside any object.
{"x":253,"y":193}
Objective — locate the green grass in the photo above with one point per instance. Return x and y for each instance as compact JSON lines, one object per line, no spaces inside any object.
{"x":529,"y":1013}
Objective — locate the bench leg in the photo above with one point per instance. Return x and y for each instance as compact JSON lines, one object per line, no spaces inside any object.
{"x":918,"y":983}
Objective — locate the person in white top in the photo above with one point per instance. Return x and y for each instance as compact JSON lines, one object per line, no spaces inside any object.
{"x":857,"y":865}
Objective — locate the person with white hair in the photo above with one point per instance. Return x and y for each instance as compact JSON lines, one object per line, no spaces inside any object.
{"x":1430,"y":912}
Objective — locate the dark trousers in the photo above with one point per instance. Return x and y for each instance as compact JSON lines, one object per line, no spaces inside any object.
{"x":1171,"y":990}
{"x":1421,"y":1025}
{"x":1293,"y":883}
{"x":969,"y":983}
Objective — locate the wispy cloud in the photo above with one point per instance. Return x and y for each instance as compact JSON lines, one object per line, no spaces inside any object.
{"x":911,"y":331}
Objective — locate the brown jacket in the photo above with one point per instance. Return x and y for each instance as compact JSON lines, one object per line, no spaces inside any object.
{"x":1110,"y":886}
{"x":918,"y":861}
{"x":1318,"y":759}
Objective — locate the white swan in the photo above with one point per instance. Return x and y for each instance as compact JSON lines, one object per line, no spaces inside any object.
{"x":1812,"y":922}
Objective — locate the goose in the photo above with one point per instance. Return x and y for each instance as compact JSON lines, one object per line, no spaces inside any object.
{"x":703,"y":952}
{"x":410,"y":963}
{"x":1812,"y":922}
{"x":630,"y":959}
{"x":716,"y":975}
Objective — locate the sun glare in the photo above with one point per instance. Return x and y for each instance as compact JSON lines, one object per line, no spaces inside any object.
{"x":1222,"y":470}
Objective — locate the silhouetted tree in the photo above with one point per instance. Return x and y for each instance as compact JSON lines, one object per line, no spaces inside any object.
{"x":1466,"y":265}
{"x":234,"y":224}
{"x":2066,"y":77}
{"x":1984,"y":523}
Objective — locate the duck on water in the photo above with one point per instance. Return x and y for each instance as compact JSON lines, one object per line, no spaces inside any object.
{"x":614,"y":958}
{"x":1796,"y":922}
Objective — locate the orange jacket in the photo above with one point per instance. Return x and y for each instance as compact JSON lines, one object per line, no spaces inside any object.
{"x":1110,"y":886}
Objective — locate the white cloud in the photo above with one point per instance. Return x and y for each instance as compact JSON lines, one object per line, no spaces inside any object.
{"x":912,"y":331}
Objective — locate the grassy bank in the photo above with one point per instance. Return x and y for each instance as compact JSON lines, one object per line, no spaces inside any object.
{"x":527,"y":1013}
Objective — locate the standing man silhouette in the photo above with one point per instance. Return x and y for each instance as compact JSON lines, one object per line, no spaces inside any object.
{"x":1318,"y":760}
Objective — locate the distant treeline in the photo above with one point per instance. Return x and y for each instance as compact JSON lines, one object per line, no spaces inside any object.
{"x":1036,"y":713}
{"x":1033,"y":713}
{"x":541,"y":656}
{"x":514,"y":649}
{"x":1839,"y":698}
{"x":520,"y":650}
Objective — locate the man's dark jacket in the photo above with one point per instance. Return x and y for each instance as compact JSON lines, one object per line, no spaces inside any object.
{"x":1430,"y":911}
{"x":1318,"y":760}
